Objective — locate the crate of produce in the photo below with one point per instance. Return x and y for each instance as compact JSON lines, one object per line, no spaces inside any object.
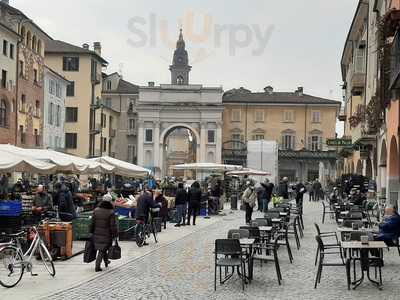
{"x":81,"y":227}
{"x":125,"y":211}
{"x":10,"y":208}
{"x":125,"y":223}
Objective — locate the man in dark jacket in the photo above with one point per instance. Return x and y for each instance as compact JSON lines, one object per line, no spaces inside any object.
{"x":300,"y":190}
{"x":283,"y":188}
{"x":266,"y":195}
{"x":160,"y":199}
{"x":194,"y":202}
{"x":144,"y":203}
{"x":66,"y":206}
{"x":104,"y":230}
{"x":181,"y":199}
{"x":389,"y":230}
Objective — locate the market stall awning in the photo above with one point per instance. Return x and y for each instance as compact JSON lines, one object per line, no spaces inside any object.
{"x":247,"y":171}
{"x":123,"y":168}
{"x":207,"y":167}
{"x":10,"y":162}
{"x":62,"y":162}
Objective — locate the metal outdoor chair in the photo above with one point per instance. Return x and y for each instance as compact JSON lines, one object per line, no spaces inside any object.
{"x":322,"y":263}
{"x":293,"y":229}
{"x":228,"y":254}
{"x":243,"y":233}
{"x":326,"y":211}
{"x":269,"y":252}
{"x":330,"y":245}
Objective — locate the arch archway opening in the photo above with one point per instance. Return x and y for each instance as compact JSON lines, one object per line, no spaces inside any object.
{"x":393,"y":182}
{"x":179,"y":147}
{"x":359,"y":168}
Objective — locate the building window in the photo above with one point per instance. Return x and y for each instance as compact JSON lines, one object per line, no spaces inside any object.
{"x":288,"y":116}
{"x":37,"y":109}
{"x":22,"y":134}
{"x":237,"y":141}
{"x":259,"y":116}
{"x":12,"y":51}
{"x":108,"y":102}
{"x":131,"y":124}
{"x":51,"y":87}
{"x":211,"y":136}
{"x":71,"y":89}
{"x":71,"y":114}
{"x":5,"y":47}
{"x":258,"y":137}
{"x":39,"y":47}
{"x":316,"y":117}
{"x":71,"y":64}
{"x":28,"y":39}
{"x":180,"y":80}
{"x":148,"y":136}
{"x":58,"y":89}
{"x":34,"y":43}
{"x":35,"y":75}
{"x":104,"y":144}
{"x":109,"y":85}
{"x":4,"y":79}
{"x":315,"y":143}
{"x":51,"y":113}
{"x":235,"y":115}
{"x":37,"y":138}
{"x":288,"y":142}
{"x":58,"y":116}
{"x":71,"y":140}
{"x":23,"y":103}
{"x":103,"y":120}
{"x":132,"y":153}
{"x":21,"y":68}
{"x":3,"y":113}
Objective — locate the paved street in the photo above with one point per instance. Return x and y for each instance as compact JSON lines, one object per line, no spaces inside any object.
{"x":184,"y":270}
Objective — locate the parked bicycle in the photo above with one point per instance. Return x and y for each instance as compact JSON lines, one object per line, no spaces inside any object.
{"x":14,"y":262}
{"x":145,"y":229}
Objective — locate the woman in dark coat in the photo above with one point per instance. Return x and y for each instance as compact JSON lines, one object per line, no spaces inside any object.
{"x":159,"y":198}
{"x":194,"y":202}
{"x":104,"y":230}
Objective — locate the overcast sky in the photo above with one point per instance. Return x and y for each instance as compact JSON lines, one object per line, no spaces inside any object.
{"x":249,"y":43}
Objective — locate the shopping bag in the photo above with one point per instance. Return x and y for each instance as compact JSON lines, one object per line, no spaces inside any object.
{"x":90,"y":252}
{"x":115,"y":251}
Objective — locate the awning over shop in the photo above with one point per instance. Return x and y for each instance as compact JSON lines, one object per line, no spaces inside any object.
{"x":122,"y":168}
{"x":247,"y":171}
{"x":207,"y":167}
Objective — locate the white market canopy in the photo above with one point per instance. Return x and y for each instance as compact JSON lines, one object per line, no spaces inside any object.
{"x":207,"y":167}
{"x":59,"y":162}
{"x":123,"y":168}
{"x":248,"y":171}
{"x":10,"y":162}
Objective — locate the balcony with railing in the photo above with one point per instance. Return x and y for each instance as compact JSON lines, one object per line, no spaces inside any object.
{"x":131,"y":132}
{"x":359,"y":127}
{"x":357,"y":72}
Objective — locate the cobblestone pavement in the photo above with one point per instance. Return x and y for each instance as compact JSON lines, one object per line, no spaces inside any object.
{"x":184,"y":270}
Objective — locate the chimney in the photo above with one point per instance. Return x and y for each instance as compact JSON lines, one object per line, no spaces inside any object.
{"x":97,"y":48}
{"x":151,"y":83}
{"x":299,"y":91}
{"x":269,"y":90}
{"x":85,"y":46}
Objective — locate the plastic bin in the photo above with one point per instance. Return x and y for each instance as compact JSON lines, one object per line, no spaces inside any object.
{"x":124,"y":211}
{"x":80,"y":228}
{"x":10,"y":208}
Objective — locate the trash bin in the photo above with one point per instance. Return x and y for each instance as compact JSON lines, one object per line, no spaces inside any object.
{"x":234,"y":201}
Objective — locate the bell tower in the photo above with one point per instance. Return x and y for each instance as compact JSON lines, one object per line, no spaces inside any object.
{"x":180,"y":63}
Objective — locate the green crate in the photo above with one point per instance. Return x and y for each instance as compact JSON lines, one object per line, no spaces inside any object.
{"x":125,"y":223}
{"x":80,"y":228}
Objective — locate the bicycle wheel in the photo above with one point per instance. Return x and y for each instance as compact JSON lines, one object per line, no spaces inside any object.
{"x":140,"y":235}
{"x":47,"y":259}
{"x":11,"y":267}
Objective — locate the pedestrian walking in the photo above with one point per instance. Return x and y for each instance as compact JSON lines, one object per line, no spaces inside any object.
{"x":249,"y":199}
{"x":317,"y":190}
{"x":283,"y":188}
{"x":159,"y":198}
{"x":194,"y":202}
{"x":300,"y":191}
{"x":181,"y":199}
{"x":103,"y":229}
{"x":268,"y":188}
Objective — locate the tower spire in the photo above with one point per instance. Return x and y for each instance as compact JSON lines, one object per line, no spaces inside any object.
{"x":180,"y":63}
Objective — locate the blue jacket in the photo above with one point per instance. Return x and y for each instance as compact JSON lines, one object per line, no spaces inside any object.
{"x":390,"y":229}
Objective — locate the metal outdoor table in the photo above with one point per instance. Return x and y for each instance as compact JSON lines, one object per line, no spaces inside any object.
{"x":364,"y":260}
{"x":266,"y":232}
{"x":248,"y":244}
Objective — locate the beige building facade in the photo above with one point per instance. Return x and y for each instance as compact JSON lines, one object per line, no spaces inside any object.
{"x":299,"y":123}
{"x":89,"y":124}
